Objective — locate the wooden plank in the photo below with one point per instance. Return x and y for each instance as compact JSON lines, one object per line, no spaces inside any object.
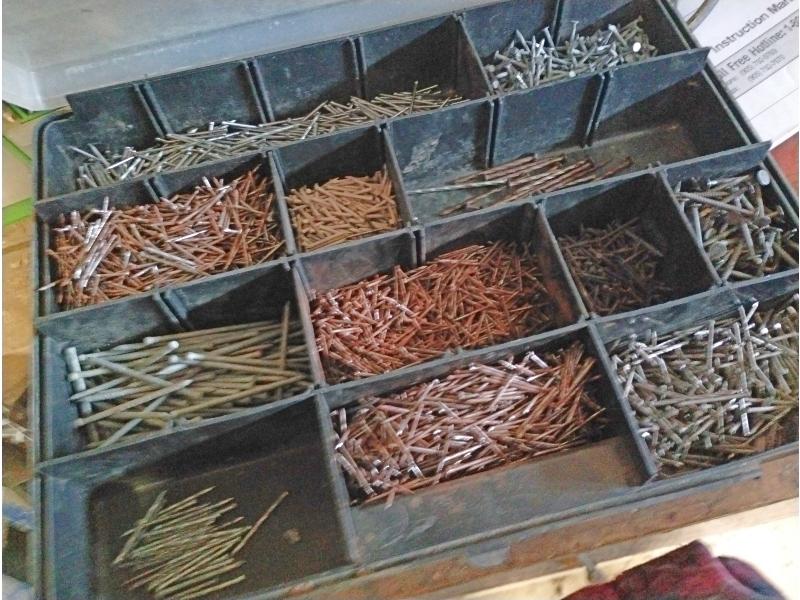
{"x":17,"y":309}
{"x":771,"y":533}
{"x":559,"y":545}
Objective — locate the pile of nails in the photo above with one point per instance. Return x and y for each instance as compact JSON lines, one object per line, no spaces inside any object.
{"x":182,"y":550}
{"x":341,"y":209}
{"x":743,"y":237}
{"x":524,"y":64}
{"x":614,"y":267}
{"x":524,"y":177}
{"x":468,"y":298}
{"x":108,"y":253}
{"x":713,"y":392}
{"x":230,"y":138}
{"x":475,"y":419}
{"x":132,"y":390}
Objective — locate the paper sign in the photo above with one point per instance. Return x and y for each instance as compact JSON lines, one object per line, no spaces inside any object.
{"x":754,"y":49}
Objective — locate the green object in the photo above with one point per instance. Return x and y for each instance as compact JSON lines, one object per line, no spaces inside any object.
{"x":16,"y":151}
{"x":22,"y":209}
{"x":17,"y":211}
{"x":22,"y":115}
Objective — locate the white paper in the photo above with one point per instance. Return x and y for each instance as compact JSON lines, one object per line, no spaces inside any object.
{"x":754,"y":49}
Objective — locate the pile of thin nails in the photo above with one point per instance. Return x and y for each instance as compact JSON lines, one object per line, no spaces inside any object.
{"x":471,"y":297}
{"x":524,"y":63}
{"x":229,"y":138}
{"x":183,"y":550}
{"x":614,"y":267}
{"x":475,"y":419}
{"x":341,"y":209}
{"x":711,"y":393}
{"x":162,"y":382}
{"x":525,"y":177}
{"x":110,"y":253}
{"x":742,"y":236}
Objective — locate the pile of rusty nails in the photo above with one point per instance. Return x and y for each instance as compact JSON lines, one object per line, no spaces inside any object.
{"x":230,"y":138}
{"x":522,"y":178}
{"x":182,"y":550}
{"x":466,"y":298}
{"x":341,"y":209}
{"x":472,"y":420}
{"x":108,"y":253}
{"x":524,"y":63}
{"x":707,"y":394}
{"x":743,"y":237}
{"x":614,"y":268}
{"x":132,"y":390}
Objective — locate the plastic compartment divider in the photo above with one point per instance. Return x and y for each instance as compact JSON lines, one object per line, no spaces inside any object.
{"x":238,"y":297}
{"x":323,"y":71}
{"x":686,"y":272}
{"x":336,"y":478}
{"x":147,"y":191}
{"x":773,"y":196}
{"x":285,"y":435}
{"x":224,"y":92}
{"x":412,"y":519}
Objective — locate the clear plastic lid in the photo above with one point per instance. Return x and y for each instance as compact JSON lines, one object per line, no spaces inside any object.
{"x":52,"y":48}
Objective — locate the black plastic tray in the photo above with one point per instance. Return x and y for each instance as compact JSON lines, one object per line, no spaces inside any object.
{"x":669,"y":113}
{"x":446,"y":50}
{"x":602,"y":117}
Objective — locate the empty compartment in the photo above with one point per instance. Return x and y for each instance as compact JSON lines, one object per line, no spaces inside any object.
{"x":296,"y":81}
{"x":109,"y":119}
{"x":88,"y":504}
{"x":341,"y":188}
{"x":696,"y":407}
{"x":215,"y":218}
{"x":627,"y":247}
{"x":434,"y":52}
{"x":666,"y":113}
{"x":602,"y":468}
{"x":485,"y":280}
{"x":742,"y":220}
{"x":201,"y":96}
{"x":252,"y":364}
